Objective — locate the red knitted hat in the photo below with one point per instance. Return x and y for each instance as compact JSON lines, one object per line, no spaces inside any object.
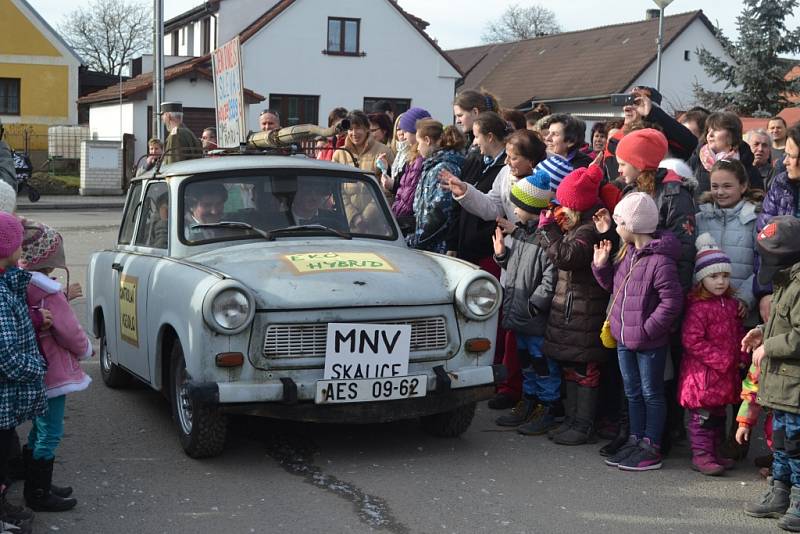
{"x":644,"y":149}
{"x":579,"y":189}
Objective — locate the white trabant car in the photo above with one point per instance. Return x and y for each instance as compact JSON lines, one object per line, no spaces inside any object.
{"x":281,"y":286}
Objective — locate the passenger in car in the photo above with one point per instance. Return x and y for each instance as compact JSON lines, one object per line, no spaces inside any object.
{"x":160,"y":230}
{"x":308,"y":205}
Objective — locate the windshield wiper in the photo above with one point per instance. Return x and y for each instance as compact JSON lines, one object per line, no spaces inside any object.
{"x":272,"y":234}
{"x":234,"y":224}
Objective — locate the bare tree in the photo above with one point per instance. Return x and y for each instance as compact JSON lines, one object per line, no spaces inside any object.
{"x":109,"y":33}
{"x":521,"y":23}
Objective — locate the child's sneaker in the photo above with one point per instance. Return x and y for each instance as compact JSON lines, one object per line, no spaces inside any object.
{"x":623,"y":452}
{"x":646,"y":458}
{"x":707,"y":465}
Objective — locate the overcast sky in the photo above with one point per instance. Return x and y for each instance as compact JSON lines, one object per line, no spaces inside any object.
{"x":463,"y":26}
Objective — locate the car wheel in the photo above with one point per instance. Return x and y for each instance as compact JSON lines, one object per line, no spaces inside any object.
{"x":449,"y":424}
{"x":113,"y":375}
{"x":201,"y":429}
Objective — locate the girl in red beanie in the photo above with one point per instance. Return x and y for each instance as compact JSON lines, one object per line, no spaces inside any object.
{"x":578,"y":309}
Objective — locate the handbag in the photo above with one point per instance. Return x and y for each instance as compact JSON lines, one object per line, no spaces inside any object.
{"x":606,"y":338}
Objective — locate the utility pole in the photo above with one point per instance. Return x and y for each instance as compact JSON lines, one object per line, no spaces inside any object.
{"x":158,"y":67}
{"x":661,"y":5}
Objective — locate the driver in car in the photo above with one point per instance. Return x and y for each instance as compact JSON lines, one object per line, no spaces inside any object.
{"x":206,"y":205}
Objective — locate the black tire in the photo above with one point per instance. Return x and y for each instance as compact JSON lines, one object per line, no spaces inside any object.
{"x":449,"y":424}
{"x":201,"y":429}
{"x":33,"y":194}
{"x":113,"y":375}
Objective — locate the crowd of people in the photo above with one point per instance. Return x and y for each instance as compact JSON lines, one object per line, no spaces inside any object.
{"x":651,"y":270}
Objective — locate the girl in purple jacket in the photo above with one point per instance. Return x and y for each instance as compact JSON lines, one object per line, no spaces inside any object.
{"x":646,"y":300}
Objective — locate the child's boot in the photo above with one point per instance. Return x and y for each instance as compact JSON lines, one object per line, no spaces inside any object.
{"x":14,"y":516}
{"x":702,"y":439}
{"x":27,"y":456}
{"x":542,"y":421}
{"x":570,"y":407}
{"x":719,"y":437}
{"x":521,"y":413}
{"x":582,"y":430}
{"x":791,"y":520}
{"x":38,"y":493}
{"x":611,"y":448}
{"x":774,"y":503}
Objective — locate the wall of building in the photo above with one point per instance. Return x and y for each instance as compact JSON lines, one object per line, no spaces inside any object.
{"x":342,"y":80}
{"x":236,"y":16}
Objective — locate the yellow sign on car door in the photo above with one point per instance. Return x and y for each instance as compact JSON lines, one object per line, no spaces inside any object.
{"x":128,"y":322}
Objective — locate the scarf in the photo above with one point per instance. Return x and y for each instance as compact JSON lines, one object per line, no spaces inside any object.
{"x":709,"y":158}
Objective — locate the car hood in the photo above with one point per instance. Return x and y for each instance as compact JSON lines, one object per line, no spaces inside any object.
{"x":335,"y":273}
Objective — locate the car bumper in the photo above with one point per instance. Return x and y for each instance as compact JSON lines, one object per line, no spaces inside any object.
{"x":286,"y":399}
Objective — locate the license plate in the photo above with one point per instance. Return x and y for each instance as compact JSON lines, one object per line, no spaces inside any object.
{"x":371,"y":389}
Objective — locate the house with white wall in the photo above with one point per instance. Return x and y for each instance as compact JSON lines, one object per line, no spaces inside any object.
{"x":310,"y":56}
{"x":575,"y":72}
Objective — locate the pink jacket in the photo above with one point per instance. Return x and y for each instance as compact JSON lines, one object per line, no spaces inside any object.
{"x":64,"y":343}
{"x":712,"y":335}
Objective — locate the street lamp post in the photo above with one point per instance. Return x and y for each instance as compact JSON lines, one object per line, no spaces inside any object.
{"x":661,"y":5}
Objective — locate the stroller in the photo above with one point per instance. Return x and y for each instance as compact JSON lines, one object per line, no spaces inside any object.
{"x":24,"y":167}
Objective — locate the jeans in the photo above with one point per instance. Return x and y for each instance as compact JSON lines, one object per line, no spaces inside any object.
{"x":643,"y":380}
{"x":542,"y":378}
{"x":47,"y":430}
{"x":786,"y":440}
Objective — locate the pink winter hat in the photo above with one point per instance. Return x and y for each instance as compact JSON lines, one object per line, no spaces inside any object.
{"x":42,"y":247}
{"x":10,"y":234}
{"x":637,"y":212}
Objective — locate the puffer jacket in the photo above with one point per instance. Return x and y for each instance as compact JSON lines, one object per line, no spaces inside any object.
{"x":579,"y":304}
{"x":648,"y":294}
{"x":676,"y":213}
{"x":781,"y":199}
{"x":734,"y":230}
{"x":529,"y":283}
{"x":779,"y":384}
{"x":432,"y":205}
{"x":711,"y":337}
{"x":403,"y":205}
{"x":65,"y":343}
{"x":22,"y":367}
{"x":365,"y":157}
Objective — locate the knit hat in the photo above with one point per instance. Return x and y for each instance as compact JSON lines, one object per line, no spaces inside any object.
{"x":8,"y":197}
{"x":644,"y":149}
{"x":42,"y":247}
{"x":408,"y":121}
{"x":532,"y":194}
{"x":710,"y":259}
{"x":10,"y":234}
{"x":778,"y":246}
{"x":556,"y":168}
{"x":579,"y":189}
{"x":637,"y":212}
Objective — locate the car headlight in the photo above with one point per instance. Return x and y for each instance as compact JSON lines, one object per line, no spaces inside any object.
{"x":228,"y":308}
{"x":478,"y":298}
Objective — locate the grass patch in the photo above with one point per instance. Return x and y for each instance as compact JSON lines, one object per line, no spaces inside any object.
{"x":55,"y":185}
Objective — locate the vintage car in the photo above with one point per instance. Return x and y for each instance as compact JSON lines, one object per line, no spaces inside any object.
{"x":281,"y":286}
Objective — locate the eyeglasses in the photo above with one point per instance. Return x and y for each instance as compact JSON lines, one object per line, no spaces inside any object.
{"x":373,"y":130}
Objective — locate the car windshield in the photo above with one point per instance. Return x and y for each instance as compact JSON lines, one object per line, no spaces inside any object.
{"x":283,"y":205}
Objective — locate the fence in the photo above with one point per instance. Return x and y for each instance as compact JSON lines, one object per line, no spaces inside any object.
{"x":57,"y":150}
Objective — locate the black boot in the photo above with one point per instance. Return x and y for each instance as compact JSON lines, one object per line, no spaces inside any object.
{"x":582,"y":431}
{"x":61,"y":491}
{"x":611,"y":448}
{"x":570,"y":406}
{"x":11,"y":514}
{"x":38,"y":494}
{"x":521,"y":413}
{"x":791,"y":520}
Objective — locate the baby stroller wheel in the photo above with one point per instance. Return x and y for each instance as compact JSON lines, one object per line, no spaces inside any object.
{"x":33,"y":194}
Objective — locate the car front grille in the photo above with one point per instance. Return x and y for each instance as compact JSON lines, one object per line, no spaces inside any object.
{"x":304,"y":340}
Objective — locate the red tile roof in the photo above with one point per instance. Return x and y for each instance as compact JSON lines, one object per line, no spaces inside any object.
{"x":585,"y":63}
{"x":139,"y":85}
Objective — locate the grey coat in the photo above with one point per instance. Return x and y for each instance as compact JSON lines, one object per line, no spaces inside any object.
{"x":530,"y":283}
{"x":734,"y":230}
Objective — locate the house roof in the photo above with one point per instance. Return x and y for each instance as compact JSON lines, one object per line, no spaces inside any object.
{"x":194,"y":14}
{"x":569,"y":65}
{"x":139,"y":85}
{"x":53,"y":34}
{"x":283,"y":5}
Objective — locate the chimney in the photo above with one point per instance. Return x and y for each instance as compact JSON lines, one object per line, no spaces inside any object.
{"x":651,"y":14}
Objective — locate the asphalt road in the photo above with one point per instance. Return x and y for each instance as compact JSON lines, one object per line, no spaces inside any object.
{"x":122,"y":456}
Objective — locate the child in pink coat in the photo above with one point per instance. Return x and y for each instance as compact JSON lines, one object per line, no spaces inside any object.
{"x":709,"y":374}
{"x":63,"y":344}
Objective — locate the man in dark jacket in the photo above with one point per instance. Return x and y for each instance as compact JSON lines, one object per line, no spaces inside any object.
{"x":181,"y":143}
{"x":776,"y":352}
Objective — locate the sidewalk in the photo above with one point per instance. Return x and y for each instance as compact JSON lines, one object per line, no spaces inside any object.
{"x":71,"y":202}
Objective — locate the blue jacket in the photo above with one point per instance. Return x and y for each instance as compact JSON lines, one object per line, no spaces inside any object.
{"x":22,"y":368}
{"x":433,"y":206}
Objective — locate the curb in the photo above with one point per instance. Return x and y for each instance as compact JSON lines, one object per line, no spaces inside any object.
{"x":69,"y":206}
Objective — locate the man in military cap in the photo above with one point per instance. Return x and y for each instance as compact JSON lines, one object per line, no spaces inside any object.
{"x":181,"y":142}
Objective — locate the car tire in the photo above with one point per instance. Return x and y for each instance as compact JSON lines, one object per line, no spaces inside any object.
{"x":201,"y":429}
{"x":449,"y":424}
{"x":113,"y":375}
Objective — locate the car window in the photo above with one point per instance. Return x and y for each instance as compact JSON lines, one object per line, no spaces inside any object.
{"x":129,"y":218}
{"x":154,"y":221}
{"x":352,"y":205}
